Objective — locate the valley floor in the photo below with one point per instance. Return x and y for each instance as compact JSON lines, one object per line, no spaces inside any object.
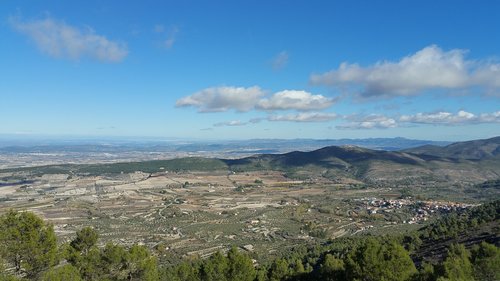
{"x":199,"y":213}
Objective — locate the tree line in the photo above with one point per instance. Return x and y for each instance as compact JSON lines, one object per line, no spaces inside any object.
{"x":29,"y":251}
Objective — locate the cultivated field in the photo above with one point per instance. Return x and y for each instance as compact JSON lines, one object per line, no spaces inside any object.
{"x":186,"y":214}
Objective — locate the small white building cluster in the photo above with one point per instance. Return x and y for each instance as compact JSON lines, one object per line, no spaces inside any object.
{"x":422,"y":209}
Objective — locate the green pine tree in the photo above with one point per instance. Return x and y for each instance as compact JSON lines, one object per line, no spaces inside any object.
{"x":27,"y":243}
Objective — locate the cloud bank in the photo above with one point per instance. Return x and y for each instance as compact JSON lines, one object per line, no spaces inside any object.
{"x":241,"y":99}
{"x":60,"y":40}
{"x":428,"y":69}
{"x":377,"y":121}
{"x":448,"y":118}
{"x":441,"y":118}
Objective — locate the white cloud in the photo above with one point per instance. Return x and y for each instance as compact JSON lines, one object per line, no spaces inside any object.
{"x":220,"y":99}
{"x":241,"y":99}
{"x":298,"y":100}
{"x":230,"y":123}
{"x":447,"y":118}
{"x":487,"y":74}
{"x":280,"y":60}
{"x":373,"y":121}
{"x":304,"y":117}
{"x":490,"y":117}
{"x":61,"y":40}
{"x":429,"y":68}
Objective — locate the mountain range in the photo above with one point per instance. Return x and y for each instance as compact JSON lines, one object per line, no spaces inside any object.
{"x":471,"y":161}
{"x":467,"y":162}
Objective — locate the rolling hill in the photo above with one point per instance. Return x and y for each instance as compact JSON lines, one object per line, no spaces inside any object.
{"x":472,"y":161}
{"x":476,"y":149}
{"x":464,"y":162}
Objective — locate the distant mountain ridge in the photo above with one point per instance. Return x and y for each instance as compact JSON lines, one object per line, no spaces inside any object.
{"x":30,"y":152}
{"x":475,"y":149}
{"x":277,"y":145}
{"x":463,"y":162}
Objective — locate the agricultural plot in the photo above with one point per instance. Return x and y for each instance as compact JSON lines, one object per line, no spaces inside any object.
{"x":187,"y":214}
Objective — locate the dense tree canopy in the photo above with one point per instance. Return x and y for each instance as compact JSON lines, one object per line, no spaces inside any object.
{"x":486,"y":261}
{"x":457,"y":265}
{"x":27,"y":243}
{"x":379,"y":261}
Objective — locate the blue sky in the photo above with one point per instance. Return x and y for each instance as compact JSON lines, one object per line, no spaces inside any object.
{"x":250,"y":69}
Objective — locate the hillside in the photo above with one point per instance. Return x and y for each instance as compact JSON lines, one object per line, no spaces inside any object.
{"x":382,"y":166}
{"x":475,"y":150}
{"x":469,"y":162}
